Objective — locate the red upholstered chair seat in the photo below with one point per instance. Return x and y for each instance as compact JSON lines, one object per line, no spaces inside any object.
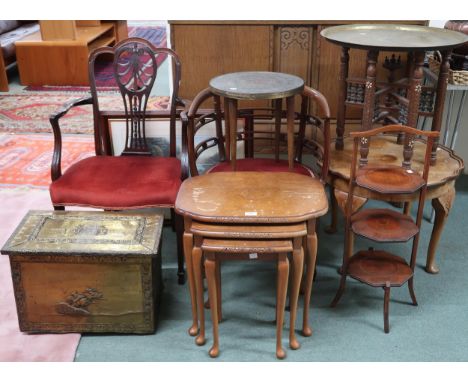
{"x":261,"y":164}
{"x":123,"y":182}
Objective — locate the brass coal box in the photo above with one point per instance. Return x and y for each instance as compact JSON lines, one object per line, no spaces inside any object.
{"x":86,"y":271}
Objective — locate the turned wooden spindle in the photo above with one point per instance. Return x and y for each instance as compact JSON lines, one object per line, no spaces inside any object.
{"x":408,"y":151}
{"x":342,"y":94}
{"x":440,"y":99}
{"x":413,"y":95}
{"x":414,"y":89}
{"x":408,"y":73}
{"x":363,"y":151}
{"x":219,"y":127}
{"x":369,"y":99}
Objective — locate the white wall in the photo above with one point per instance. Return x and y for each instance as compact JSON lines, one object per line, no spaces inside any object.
{"x":461,"y":147}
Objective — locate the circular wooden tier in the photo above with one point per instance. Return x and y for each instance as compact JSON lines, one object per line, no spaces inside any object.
{"x":393,"y":37}
{"x":389,"y":179}
{"x":376,"y":268}
{"x":256,"y":85}
{"x":383,"y":225}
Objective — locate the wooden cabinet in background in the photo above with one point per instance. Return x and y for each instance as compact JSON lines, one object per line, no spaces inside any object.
{"x":210,"y":48}
{"x":58,"y":54}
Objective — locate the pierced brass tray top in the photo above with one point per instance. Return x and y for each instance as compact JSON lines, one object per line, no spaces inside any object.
{"x":394,"y":37}
{"x":256,"y":85}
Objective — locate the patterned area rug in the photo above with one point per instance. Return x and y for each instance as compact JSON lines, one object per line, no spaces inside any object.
{"x":29,"y":113}
{"x":15,"y":345}
{"x":25,"y":159}
{"x":104,"y":76}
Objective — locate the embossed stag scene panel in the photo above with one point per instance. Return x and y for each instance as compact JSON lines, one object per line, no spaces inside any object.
{"x":82,"y":293}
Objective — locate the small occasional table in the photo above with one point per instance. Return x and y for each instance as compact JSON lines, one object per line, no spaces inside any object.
{"x":440,"y":188}
{"x":397,"y":101}
{"x":257,"y":86}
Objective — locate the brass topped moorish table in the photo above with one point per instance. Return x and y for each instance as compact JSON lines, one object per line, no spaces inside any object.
{"x":440,"y":189}
{"x":251,"y":206}
{"x":257,"y":86}
{"x":394,"y":101}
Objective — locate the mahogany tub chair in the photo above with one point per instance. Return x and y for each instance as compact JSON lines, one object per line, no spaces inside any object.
{"x":135,"y":179}
{"x":315,"y":143}
{"x":379,"y":268}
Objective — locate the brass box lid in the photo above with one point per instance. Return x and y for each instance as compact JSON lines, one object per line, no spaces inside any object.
{"x":86,"y":233}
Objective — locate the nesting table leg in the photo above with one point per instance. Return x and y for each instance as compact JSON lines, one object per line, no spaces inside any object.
{"x":281,"y":291}
{"x":197,"y":255}
{"x":188,"y":247}
{"x":210,"y":269}
{"x":298,"y":262}
{"x":218,"y":289}
{"x":311,"y":257}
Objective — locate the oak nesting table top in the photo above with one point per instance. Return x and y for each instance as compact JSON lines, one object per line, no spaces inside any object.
{"x":393,"y":37}
{"x":256,"y":85}
{"x":252,"y":197}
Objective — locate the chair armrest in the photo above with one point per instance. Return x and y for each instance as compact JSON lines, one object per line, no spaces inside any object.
{"x":184,"y":116}
{"x":65,"y":108}
{"x":56,"y":168}
{"x":182,"y":103}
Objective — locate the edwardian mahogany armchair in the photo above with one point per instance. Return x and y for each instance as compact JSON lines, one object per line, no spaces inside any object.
{"x":135,"y":179}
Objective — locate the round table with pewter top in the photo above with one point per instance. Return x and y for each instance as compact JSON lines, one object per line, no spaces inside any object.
{"x":257,"y":86}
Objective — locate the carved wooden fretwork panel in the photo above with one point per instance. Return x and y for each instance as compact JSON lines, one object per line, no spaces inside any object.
{"x":293,"y":51}
{"x":299,"y":36}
